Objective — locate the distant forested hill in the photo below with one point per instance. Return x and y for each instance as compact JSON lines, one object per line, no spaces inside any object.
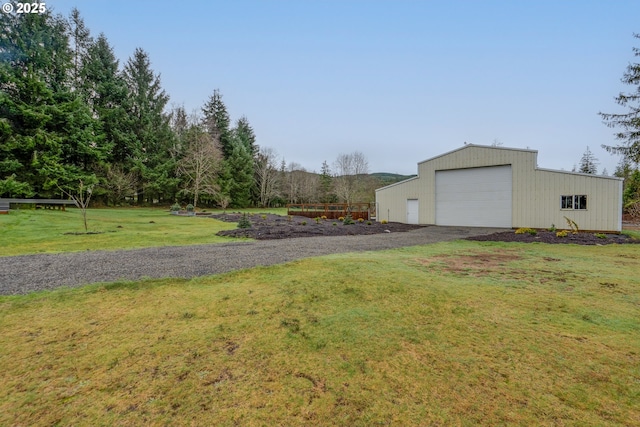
{"x":390,"y":178}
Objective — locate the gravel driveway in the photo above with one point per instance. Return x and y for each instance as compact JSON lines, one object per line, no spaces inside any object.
{"x":28,"y":273}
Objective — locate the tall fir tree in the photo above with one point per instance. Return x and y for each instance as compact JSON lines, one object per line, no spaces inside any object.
{"x":628,"y":123}
{"x":48,"y":138}
{"x":150,"y":153}
{"x":105,"y":91}
{"x":80,"y":42}
{"x":243,"y":132}
{"x":588,"y":163}
{"x":239,"y":168}
{"x":326,"y":185}
{"x":217,"y":122}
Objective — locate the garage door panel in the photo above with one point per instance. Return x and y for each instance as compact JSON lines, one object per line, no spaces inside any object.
{"x":474,"y":197}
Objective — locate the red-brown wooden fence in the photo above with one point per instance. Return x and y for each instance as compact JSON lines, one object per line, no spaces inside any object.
{"x":331,"y":210}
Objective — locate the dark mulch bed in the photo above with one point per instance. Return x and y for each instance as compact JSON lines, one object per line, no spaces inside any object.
{"x":269,"y":226}
{"x":550,"y":237}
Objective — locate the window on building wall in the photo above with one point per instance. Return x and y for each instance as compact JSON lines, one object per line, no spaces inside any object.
{"x":575,"y":202}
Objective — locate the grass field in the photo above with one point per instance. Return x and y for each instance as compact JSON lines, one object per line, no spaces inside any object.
{"x":458,"y":333}
{"x":31,"y":231}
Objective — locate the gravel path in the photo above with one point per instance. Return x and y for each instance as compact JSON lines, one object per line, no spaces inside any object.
{"x":28,"y":273}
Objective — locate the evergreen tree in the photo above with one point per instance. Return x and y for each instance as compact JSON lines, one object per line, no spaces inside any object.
{"x":80,"y":40}
{"x":243,"y":132}
{"x":240,"y":174}
{"x":154,"y":165}
{"x":47,"y":138}
{"x":588,"y":163}
{"x":106,"y":92}
{"x":326,"y":184}
{"x":628,"y":122}
{"x":216,"y":121}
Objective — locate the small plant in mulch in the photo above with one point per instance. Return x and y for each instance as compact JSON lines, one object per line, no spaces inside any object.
{"x":600,"y":235}
{"x":341,"y":219}
{"x":552,"y":228}
{"x":348,"y":220}
{"x":323,"y":217}
{"x":384,"y":221}
{"x":562,"y":233}
{"x":263,"y":216}
{"x":244,"y":221}
{"x":304,"y":223}
{"x":317,"y":220}
{"x":334,"y":224}
{"x":530,"y":231}
{"x":368,"y":222}
{"x":360,"y":220}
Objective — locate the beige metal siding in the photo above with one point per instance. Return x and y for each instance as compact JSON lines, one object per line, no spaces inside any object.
{"x":392,"y":200}
{"x":536,"y":192}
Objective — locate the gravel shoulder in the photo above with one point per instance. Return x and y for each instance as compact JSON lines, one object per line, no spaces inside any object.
{"x":29,"y":273}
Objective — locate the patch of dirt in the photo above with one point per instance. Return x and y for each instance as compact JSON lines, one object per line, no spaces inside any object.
{"x":270,"y":226}
{"x":495,"y":264}
{"x":550,"y":237}
{"x":478,"y":264}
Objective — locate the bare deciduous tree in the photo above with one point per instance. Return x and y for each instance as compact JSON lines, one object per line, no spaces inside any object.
{"x":266,"y":175}
{"x":201,"y":164}
{"x":119,"y":183}
{"x":81,"y":197}
{"x":351,"y":171}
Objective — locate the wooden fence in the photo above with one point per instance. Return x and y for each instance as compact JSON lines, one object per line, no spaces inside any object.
{"x":331,"y":210}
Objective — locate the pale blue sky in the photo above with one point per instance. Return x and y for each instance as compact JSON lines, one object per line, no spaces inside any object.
{"x":401,"y":81}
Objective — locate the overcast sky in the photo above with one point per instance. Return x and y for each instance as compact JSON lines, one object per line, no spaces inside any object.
{"x":400,"y":81}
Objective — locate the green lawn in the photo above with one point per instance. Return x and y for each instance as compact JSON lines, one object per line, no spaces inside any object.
{"x":457,"y":333}
{"x":31,"y":231}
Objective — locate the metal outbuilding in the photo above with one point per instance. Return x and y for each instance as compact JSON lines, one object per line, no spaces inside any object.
{"x":488,"y":186}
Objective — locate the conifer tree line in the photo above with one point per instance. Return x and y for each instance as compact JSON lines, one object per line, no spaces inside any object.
{"x":72,"y":116}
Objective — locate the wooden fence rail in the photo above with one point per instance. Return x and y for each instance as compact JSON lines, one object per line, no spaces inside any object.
{"x":331,"y":210}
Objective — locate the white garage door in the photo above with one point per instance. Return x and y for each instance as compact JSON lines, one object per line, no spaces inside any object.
{"x":477,"y":197}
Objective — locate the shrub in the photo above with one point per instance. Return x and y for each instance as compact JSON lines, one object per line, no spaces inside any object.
{"x":244,"y":221}
{"x":562,"y":233}
{"x":384,"y":221}
{"x":552,"y":228}
{"x":572,"y":225}
{"x":304,"y":223}
{"x":318,"y":219}
{"x":348,"y":220}
{"x":190,"y":208}
{"x":526,"y":231}
{"x":263,"y":216}
{"x":175,"y":207}
{"x":368,"y":222}
{"x":323,"y":217}
{"x":341,"y":219}
{"x":360,"y":220}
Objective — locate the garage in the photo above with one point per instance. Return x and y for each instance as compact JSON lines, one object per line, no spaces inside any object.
{"x":474,"y":197}
{"x":487,"y":186}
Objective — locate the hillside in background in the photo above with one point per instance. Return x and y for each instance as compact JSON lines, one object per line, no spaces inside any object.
{"x":390,"y":178}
